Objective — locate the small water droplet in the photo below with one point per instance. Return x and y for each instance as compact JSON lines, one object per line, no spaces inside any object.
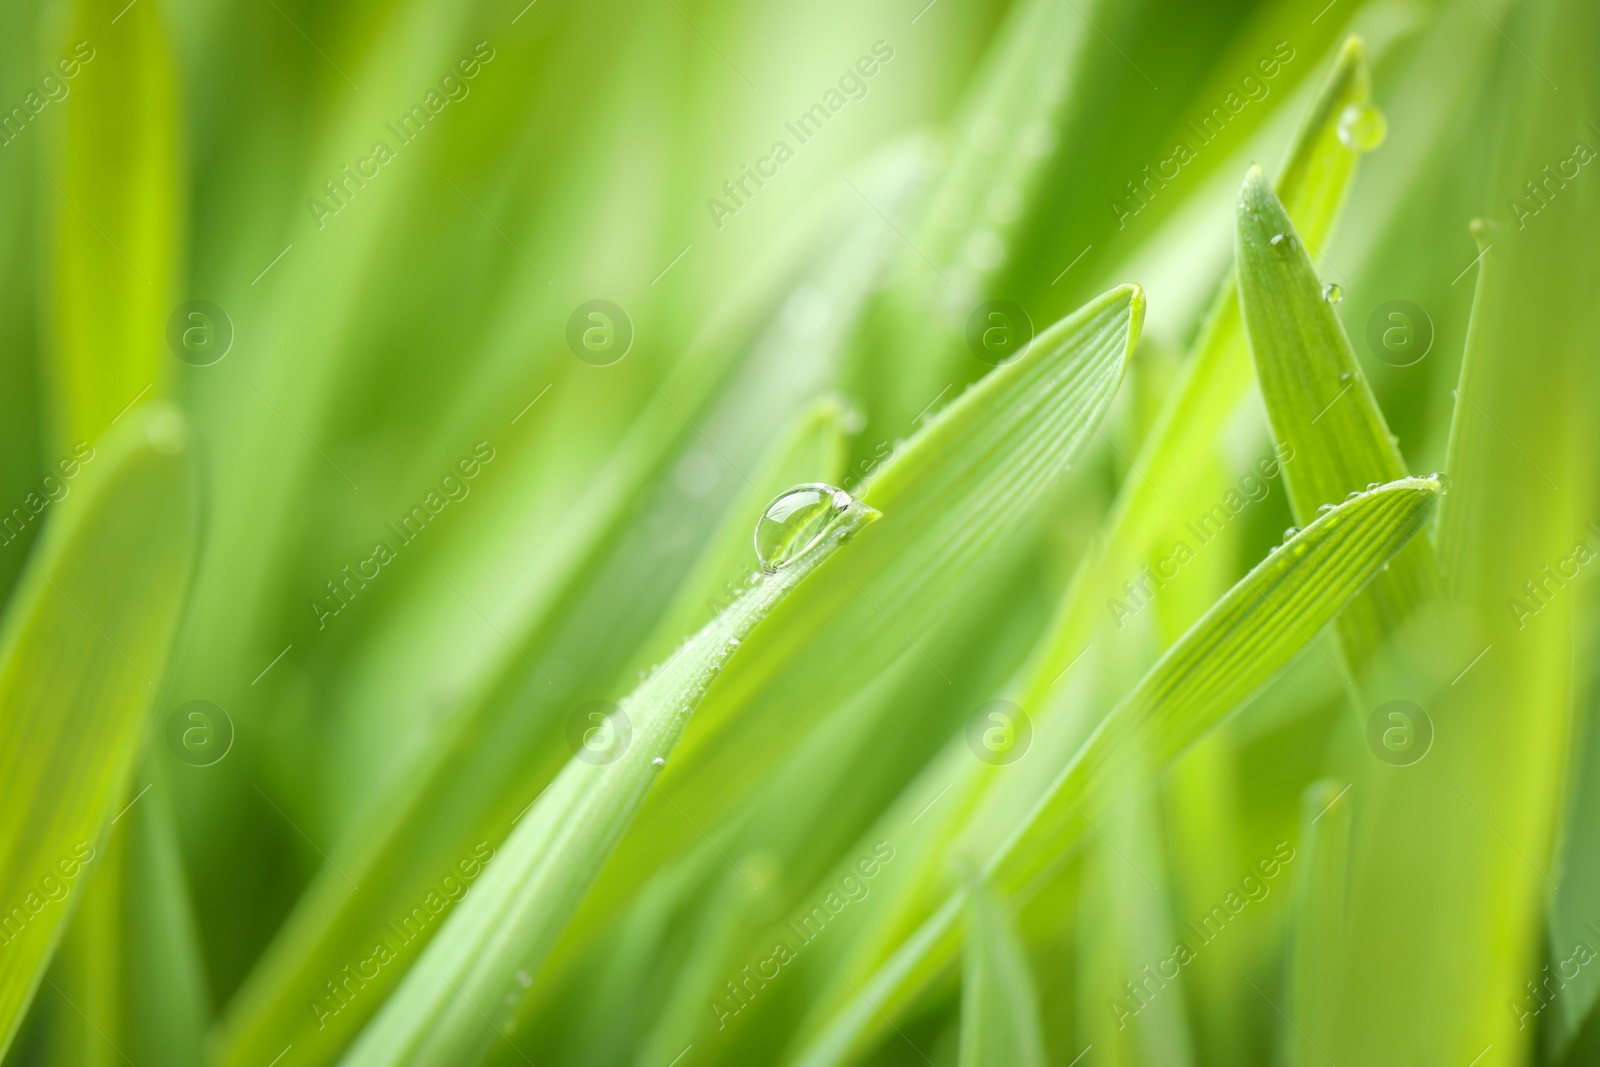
{"x":1332,"y":293}
{"x":1324,"y":509}
{"x":1279,"y":238}
{"x":658,"y":762}
{"x":733,"y":642}
{"x":1362,"y":127}
{"x":1288,"y":534}
{"x":1373,"y":485}
{"x":1346,"y":376}
{"x":794,"y":521}
{"x":1444,"y":482}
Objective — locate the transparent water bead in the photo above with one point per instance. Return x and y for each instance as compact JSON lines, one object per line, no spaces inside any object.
{"x":795,"y":520}
{"x":1332,"y":293}
{"x":1362,"y":127}
{"x":1283,"y":242}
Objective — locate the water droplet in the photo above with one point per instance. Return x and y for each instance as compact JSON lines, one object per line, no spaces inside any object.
{"x":1362,"y":127}
{"x":1444,"y":481}
{"x":795,"y":520}
{"x":1288,"y":534}
{"x":1346,"y":376}
{"x":1278,"y":240}
{"x":1324,"y":509}
{"x":1373,"y":485}
{"x":1332,"y":293}
{"x":658,"y":762}
{"x":733,"y":642}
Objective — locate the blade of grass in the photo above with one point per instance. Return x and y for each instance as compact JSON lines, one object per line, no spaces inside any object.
{"x":81,"y":655}
{"x":951,"y":495}
{"x":1318,"y":935}
{"x":1149,"y":515}
{"x":999,"y":1008}
{"x":506,"y":928}
{"x":1321,"y":406}
{"x":116,"y":204}
{"x":1245,"y":639}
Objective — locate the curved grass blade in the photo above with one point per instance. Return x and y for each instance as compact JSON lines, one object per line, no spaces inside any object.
{"x":951,"y":497}
{"x":1320,"y":405}
{"x":999,"y":1007}
{"x":81,"y":654}
{"x":1245,"y":639}
{"x":1316,"y":176}
{"x":488,"y":950}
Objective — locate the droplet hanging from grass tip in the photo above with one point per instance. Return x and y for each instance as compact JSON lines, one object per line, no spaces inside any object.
{"x":1362,"y":128}
{"x":795,"y":520}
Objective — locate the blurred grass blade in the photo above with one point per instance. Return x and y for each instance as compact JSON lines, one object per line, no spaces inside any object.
{"x":81,"y":656}
{"x":1317,"y":174}
{"x":999,"y":1008}
{"x":1245,"y":639}
{"x":116,"y":201}
{"x":127,"y":981}
{"x":966,"y":226}
{"x":488,"y":950}
{"x":1321,"y":406}
{"x":1318,"y":935}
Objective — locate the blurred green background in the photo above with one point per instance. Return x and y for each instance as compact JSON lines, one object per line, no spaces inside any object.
{"x":400,"y":313}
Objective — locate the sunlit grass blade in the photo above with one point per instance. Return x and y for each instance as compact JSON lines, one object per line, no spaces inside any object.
{"x":116,"y":201}
{"x":1245,"y":639}
{"x":488,"y":951}
{"x":951,"y":496}
{"x":81,"y":655}
{"x":1169,"y":481}
{"x":1322,"y":409}
{"x":999,"y":1007}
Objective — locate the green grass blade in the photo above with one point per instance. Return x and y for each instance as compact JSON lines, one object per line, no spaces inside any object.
{"x":489,"y":948}
{"x":1321,"y":407}
{"x":1318,"y":934}
{"x":1241,"y":643}
{"x":1316,"y":177}
{"x":951,"y":496}
{"x":1245,"y":639}
{"x":999,"y":1007}
{"x":116,"y":205}
{"x":81,"y":656}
